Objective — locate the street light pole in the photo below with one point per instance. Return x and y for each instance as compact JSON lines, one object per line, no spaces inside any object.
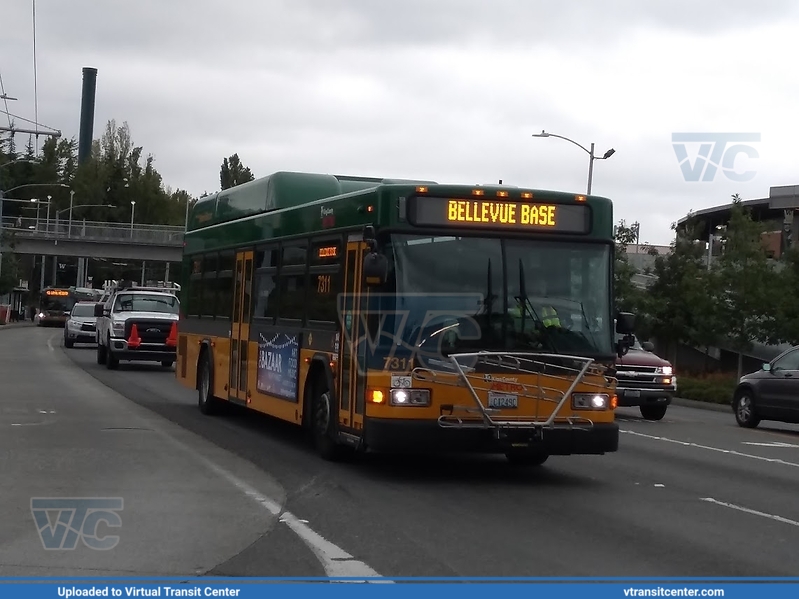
{"x":132,"y":212}
{"x":591,"y":155}
{"x":69,"y":227}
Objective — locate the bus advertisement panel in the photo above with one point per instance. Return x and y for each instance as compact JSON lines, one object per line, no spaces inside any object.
{"x":389,"y":315}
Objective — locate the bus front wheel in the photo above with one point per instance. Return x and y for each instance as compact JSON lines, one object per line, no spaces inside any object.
{"x":323,"y":422}
{"x":527,"y":458}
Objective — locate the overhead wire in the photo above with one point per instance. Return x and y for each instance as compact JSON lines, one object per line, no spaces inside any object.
{"x":35,"y":82}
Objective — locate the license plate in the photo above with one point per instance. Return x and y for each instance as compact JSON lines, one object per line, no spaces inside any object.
{"x":632,"y":394}
{"x":502,"y":401}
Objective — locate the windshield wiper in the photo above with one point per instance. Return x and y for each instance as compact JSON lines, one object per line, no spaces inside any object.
{"x":527,"y":306}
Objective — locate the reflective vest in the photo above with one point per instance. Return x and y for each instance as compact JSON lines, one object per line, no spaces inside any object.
{"x":549,"y":317}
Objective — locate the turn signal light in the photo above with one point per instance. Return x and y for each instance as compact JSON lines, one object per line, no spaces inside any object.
{"x":376,"y":396}
{"x":614,"y":401}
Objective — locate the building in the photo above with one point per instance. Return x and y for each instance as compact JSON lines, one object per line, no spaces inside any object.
{"x":776,"y":212}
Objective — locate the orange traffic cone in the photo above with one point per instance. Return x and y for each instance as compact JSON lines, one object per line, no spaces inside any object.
{"x":134,"y":340}
{"x":172,"y":340}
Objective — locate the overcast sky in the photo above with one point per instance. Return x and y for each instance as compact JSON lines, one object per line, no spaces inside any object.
{"x":448,"y":90}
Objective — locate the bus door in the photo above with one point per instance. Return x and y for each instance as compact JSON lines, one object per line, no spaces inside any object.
{"x":240,"y":328}
{"x":353,"y":344}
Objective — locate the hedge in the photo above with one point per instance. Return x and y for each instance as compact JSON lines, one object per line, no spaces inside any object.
{"x":716,"y":388}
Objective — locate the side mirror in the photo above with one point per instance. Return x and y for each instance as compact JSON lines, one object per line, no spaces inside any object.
{"x":766,"y":367}
{"x":98,"y":310}
{"x":624,"y":344}
{"x":648,"y":346}
{"x":375,"y":269}
{"x":625,"y":323}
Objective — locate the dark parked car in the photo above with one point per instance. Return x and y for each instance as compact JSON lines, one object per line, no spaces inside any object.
{"x":770,"y":393}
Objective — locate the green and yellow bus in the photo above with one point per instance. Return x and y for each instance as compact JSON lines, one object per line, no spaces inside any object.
{"x":396,"y":315}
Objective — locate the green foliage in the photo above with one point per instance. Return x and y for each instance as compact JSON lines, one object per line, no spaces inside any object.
{"x":626,"y":295}
{"x":743,"y":297}
{"x":233,"y":172}
{"x":784,"y":328}
{"x":116,"y":173}
{"x":9,"y":278}
{"x":683,"y":300}
{"x":712,"y":389}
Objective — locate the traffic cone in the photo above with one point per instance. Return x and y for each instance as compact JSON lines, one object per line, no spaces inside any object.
{"x":134,"y":340}
{"x":172,"y":340}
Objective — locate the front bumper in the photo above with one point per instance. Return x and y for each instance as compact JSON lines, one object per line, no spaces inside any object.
{"x":644,"y":396}
{"x":80,"y":336}
{"x":384,"y":434}
{"x":147,"y":352}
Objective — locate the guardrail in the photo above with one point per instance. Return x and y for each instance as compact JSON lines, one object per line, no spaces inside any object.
{"x":95,"y":231}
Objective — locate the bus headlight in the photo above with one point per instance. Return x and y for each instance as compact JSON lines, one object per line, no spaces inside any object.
{"x":410,"y":397}
{"x":590,"y":401}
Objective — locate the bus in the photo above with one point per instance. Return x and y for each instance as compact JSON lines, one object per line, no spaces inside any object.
{"x":402,"y":315}
{"x":55,"y":303}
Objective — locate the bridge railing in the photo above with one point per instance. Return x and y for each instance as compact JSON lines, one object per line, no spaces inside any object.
{"x":141,"y":234}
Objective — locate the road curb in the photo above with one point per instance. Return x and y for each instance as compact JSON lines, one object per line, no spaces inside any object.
{"x":16,"y":325}
{"x":701,"y":405}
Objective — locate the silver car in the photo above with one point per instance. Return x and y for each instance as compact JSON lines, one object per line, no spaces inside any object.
{"x":81,"y":325}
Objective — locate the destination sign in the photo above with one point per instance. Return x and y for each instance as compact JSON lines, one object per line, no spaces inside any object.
{"x":58,"y":292}
{"x":498,"y":214}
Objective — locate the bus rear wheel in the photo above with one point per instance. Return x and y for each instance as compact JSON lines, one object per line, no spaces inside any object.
{"x":208,"y":404}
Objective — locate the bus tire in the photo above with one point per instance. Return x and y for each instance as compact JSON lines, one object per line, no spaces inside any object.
{"x":208,"y":404}
{"x":527,"y":458}
{"x":324,"y":416}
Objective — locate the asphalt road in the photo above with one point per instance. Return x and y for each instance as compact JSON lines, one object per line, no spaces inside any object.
{"x":692,"y":495}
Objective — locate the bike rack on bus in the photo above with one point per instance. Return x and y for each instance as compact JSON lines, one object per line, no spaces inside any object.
{"x":535,"y":363}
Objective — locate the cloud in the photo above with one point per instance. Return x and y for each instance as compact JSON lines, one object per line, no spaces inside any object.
{"x":447,"y":90}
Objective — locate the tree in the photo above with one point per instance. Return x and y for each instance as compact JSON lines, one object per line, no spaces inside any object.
{"x":683,"y":299}
{"x":233,"y":172}
{"x":785,"y":326}
{"x":747,"y":305}
{"x":624,"y":290}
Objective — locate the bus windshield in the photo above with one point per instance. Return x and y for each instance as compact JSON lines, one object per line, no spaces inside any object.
{"x":467,"y":294}
{"x":50,"y":302}
{"x":143,"y":302}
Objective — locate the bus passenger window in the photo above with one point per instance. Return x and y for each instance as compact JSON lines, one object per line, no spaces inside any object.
{"x":265,"y":296}
{"x":321,"y":304}
{"x":292,"y":296}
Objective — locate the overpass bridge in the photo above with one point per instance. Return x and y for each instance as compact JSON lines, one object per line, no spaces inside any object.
{"x":93,"y":239}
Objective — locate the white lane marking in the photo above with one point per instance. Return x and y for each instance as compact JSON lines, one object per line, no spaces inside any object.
{"x":335,"y":561}
{"x":716,"y":449}
{"x":732,"y":506}
{"x":772,"y":444}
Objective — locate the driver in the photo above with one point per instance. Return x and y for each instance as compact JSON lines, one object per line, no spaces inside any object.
{"x":537,"y":291}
